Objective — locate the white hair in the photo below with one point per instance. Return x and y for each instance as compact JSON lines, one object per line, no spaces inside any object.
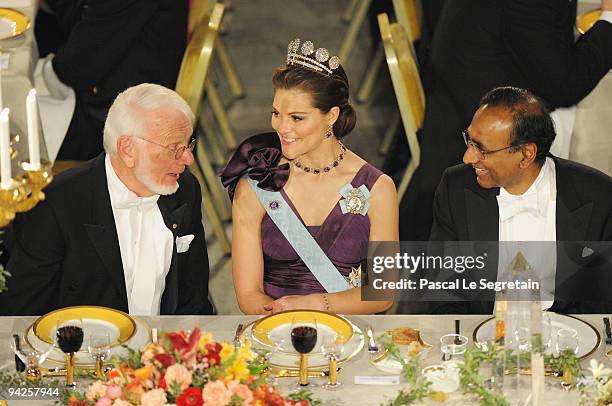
{"x":127,"y":115}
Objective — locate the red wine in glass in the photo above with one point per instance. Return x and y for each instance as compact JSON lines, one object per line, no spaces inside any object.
{"x":303,"y":338}
{"x":70,"y":338}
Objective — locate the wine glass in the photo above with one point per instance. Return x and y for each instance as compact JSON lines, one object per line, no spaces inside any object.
{"x":69,"y":337}
{"x":27,"y":359}
{"x":98,"y":347}
{"x":567,"y":342}
{"x":453,"y":346}
{"x":332,"y":347}
{"x":304,"y":339}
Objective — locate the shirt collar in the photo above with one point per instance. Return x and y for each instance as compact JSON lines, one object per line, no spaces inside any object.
{"x":543,"y":189}
{"x":121,"y":197}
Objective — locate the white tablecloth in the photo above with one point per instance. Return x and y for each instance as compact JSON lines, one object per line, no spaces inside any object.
{"x":432,"y":327}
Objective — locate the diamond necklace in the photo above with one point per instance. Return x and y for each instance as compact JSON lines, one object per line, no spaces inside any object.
{"x":326,"y":168}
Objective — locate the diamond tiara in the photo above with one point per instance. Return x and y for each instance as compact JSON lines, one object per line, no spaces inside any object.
{"x":321,"y":62}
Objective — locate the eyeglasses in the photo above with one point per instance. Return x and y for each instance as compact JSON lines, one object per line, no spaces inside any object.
{"x":481,"y":153}
{"x":178,"y":150}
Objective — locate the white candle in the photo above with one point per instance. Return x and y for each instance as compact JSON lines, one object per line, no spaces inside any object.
{"x":32,"y":115}
{"x":1,"y":105}
{"x":5,"y":153}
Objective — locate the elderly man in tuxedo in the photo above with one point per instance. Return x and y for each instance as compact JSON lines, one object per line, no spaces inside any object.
{"x":510,"y":188}
{"x":123,"y":230}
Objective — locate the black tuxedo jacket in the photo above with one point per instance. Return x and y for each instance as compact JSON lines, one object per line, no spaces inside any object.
{"x":482,"y":44}
{"x":65,"y":251}
{"x":464,"y":211}
{"x":112,"y":45}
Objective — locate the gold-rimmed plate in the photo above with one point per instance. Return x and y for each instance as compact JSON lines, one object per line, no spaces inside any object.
{"x":588,"y":336}
{"x":96,"y":320}
{"x":121,"y":328}
{"x":586,"y":20}
{"x":12,"y":23}
{"x":274,"y":331}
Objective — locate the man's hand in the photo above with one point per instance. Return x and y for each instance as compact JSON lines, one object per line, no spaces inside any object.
{"x":606,"y":5}
{"x":294,"y":302}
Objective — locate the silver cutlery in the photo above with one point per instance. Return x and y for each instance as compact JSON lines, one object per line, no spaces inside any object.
{"x":372,"y":347}
{"x":608,"y":331}
{"x":237,"y":334}
{"x":286,"y":373}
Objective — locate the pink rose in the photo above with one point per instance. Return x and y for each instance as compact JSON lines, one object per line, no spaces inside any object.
{"x":113,"y":391}
{"x":215,"y":393}
{"x":236,"y":388}
{"x":155,"y":397}
{"x":121,"y":402}
{"x":96,"y":390}
{"x":104,"y":401}
{"x":177,"y":373}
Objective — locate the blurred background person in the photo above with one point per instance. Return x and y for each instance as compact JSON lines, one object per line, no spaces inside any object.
{"x":98,"y":48}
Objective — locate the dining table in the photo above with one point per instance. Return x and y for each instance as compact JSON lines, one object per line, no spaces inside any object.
{"x":431,"y":327}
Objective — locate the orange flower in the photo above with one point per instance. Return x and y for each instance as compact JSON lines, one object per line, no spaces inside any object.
{"x":143,"y":373}
{"x":113,"y":373}
{"x":134,"y":387}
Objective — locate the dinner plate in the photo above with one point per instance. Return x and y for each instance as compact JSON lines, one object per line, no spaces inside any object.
{"x":274,"y":331}
{"x":588,"y":336}
{"x":121,"y":328}
{"x":12,"y":23}
{"x":585,"y":21}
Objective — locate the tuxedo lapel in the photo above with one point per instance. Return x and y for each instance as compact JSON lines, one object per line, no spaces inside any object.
{"x":483,"y":214}
{"x":102,"y":231}
{"x":572,"y":215}
{"x":173,"y":214}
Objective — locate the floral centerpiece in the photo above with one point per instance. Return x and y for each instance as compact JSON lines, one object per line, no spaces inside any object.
{"x":186,"y":369}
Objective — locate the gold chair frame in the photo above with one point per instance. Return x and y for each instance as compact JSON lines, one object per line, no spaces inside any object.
{"x":408,"y":14}
{"x":408,"y":89}
{"x":190,"y":85}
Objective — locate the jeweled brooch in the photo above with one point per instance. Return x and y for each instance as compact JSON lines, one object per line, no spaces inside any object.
{"x":355,"y":200}
{"x":354,"y":278}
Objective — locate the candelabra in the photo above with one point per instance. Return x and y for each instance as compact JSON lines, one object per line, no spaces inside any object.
{"x":23,"y":192}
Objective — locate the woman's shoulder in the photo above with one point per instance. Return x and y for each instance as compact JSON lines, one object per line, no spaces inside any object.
{"x":365,"y":173}
{"x":258,"y":157}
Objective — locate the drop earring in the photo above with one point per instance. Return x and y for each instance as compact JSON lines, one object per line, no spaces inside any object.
{"x":330,"y":131}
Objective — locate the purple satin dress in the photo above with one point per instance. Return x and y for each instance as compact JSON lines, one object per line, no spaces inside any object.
{"x":343,"y":237}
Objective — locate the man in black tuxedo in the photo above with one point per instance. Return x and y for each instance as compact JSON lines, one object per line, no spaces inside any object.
{"x":482,"y":44}
{"x":511,"y":189}
{"x":109,"y":46}
{"x":123,"y":230}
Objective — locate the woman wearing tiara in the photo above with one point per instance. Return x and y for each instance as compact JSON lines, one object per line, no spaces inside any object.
{"x":304,"y":207}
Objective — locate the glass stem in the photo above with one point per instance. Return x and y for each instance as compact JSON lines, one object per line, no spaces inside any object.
{"x":99,"y":368}
{"x":304,"y":369}
{"x":70,"y":370}
{"x":333,"y":370}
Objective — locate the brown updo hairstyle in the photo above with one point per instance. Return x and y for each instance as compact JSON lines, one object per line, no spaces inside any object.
{"x":326,"y":92}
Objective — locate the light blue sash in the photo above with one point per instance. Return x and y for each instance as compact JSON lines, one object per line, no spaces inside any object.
{"x":300,"y":239}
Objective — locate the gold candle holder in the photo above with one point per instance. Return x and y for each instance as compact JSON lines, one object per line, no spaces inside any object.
{"x":10,"y":199}
{"x":35,"y":179}
{"x":304,"y":369}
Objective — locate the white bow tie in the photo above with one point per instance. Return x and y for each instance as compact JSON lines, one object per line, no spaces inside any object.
{"x":509,"y":206}
{"x":129,"y":201}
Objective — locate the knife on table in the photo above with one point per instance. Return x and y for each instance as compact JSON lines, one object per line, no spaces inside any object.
{"x":372,"y":347}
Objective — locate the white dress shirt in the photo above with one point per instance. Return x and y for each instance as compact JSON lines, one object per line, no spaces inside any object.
{"x":145,"y":243}
{"x":531,"y":217}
